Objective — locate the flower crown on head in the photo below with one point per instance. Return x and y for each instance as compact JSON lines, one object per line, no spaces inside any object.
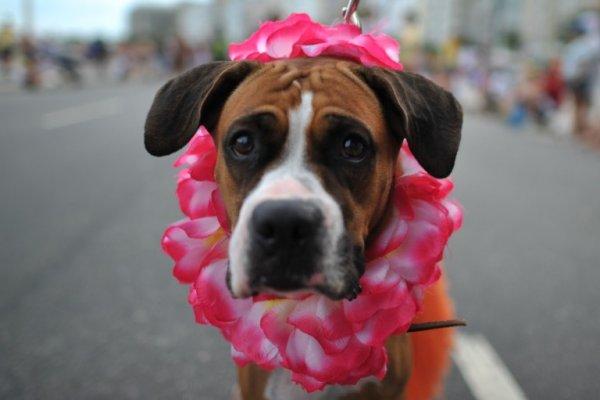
{"x":299,"y":36}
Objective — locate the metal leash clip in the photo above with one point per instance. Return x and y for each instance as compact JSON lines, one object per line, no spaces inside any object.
{"x":349,"y":13}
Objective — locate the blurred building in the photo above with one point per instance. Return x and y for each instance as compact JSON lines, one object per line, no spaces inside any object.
{"x":533,"y":23}
{"x":541,"y":21}
{"x":151,"y":23}
{"x":241,"y":17}
{"x":196,"y":22}
{"x":234,"y":19}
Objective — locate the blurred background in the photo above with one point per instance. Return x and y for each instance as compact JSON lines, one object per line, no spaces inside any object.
{"x":88,"y":308}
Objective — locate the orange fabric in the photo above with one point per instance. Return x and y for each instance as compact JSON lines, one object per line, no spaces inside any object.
{"x":431,"y":350}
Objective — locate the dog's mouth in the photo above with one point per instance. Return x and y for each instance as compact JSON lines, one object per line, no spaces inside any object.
{"x":345,"y":284}
{"x":290,"y":249}
{"x":298,"y":286}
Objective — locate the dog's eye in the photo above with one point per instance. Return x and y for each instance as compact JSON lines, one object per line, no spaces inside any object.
{"x":354,"y":148}
{"x":242,"y":144}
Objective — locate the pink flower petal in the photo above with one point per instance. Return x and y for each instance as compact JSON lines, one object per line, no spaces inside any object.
{"x":364,"y":307}
{"x":199,"y":228}
{"x":249,"y":338}
{"x":186,"y":244}
{"x":388,"y":240}
{"x":204,"y":166}
{"x":274,"y":323}
{"x":299,"y":36}
{"x":309,"y":383}
{"x":195,"y":198}
{"x":217,"y":204}
{"x":305,"y":355}
{"x":379,"y":277}
{"x":455,"y":212}
{"x":220,"y":308}
{"x":385,"y":323}
{"x":201,"y":143}
{"x":324,"y":320}
{"x":416,"y":258}
{"x":280,"y":44}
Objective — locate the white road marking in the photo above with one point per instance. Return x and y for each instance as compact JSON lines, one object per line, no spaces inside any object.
{"x":484,"y":372}
{"x":81,"y":113}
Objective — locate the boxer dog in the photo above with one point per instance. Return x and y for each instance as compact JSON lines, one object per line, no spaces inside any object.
{"x":307,"y":152}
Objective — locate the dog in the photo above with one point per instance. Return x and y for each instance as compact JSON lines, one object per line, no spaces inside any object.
{"x":307,"y":152}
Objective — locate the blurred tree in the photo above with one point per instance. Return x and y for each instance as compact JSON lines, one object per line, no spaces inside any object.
{"x":219,"y":46}
{"x":512,"y":40}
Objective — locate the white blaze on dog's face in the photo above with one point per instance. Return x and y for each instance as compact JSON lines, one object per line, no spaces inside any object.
{"x":307,"y":153}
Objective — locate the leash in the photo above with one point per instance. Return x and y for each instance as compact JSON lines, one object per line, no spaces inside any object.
{"x":429,"y":326}
{"x":349,"y":13}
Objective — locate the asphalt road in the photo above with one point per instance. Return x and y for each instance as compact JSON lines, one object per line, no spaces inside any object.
{"x":88,"y":308}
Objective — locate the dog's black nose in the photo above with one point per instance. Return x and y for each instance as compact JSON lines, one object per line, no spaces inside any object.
{"x":284,"y":224}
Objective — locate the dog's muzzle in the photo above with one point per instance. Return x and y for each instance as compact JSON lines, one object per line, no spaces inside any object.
{"x":289,"y":237}
{"x":288,"y":246}
{"x":286,"y":239}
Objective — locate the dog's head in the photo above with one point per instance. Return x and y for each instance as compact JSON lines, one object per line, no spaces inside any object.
{"x":307,"y":152}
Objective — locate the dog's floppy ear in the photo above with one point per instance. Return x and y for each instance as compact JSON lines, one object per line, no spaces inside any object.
{"x":426,"y":115}
{"x":189,"y":100}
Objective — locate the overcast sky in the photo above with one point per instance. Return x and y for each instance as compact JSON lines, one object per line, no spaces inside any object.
{"x":79,"y":17}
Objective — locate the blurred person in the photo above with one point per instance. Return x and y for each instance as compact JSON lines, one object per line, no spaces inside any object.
{"x":530,"y":101}
{"x":98,"y":54}
{"x":581,"y":58}
{"x":29,"y":49}
{"x":68,"y":67}
{"x":471,"y":77}
{"x":202,"y":54}
{"x":218,"y":47}
{"x":7,"y":49}
{"x":411,"y":39}
{"x":181,"y":54}
{"x":432,"y":63}
{"x":123,"y":62}
{"x":501,"y":89}
{"x":161,"y":60}
{"x":554,"y":83}
{"x":145,"y":60}
{"x":64,"y":58}
{"x":450,"y":51}
{"x":595,"y":112}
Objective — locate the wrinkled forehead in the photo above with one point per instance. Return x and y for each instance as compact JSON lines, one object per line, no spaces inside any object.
{"x":277,"y":88}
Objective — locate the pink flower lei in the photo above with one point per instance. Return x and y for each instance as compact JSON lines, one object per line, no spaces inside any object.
{"x":319,"y":340}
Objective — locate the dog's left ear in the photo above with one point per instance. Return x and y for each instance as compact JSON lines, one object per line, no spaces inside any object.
{"x":426,"y":115}
{"x":189,"y":100}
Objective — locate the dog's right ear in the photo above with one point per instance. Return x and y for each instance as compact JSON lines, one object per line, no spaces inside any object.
{"x":189,"y":100}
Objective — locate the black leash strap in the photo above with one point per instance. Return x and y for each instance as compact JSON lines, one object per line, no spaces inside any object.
{"x":429,"y":326}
